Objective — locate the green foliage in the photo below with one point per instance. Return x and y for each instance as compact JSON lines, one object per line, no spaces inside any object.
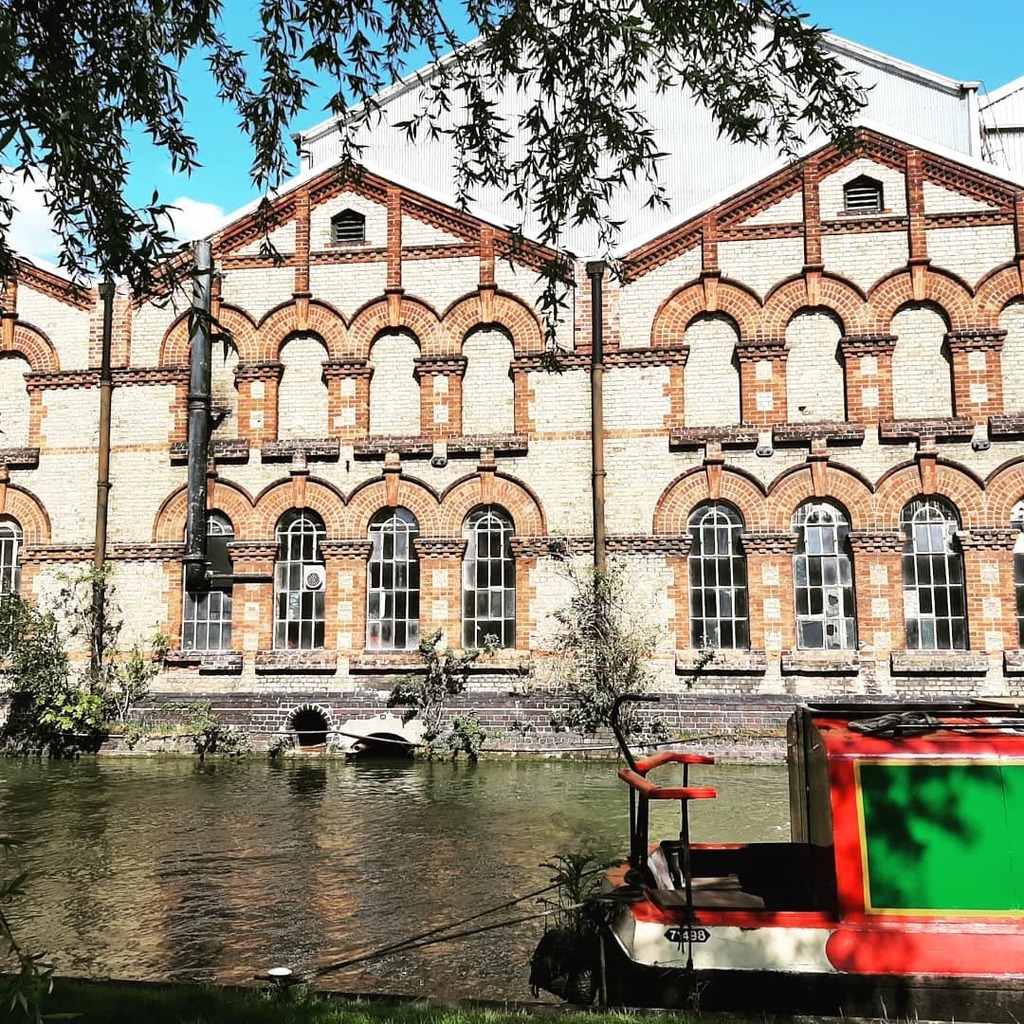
{"x":22,"y":990}
{"x":465,"y":736}
{"x":602,"y":646}
{"x":278,"y":746}
{"x":424,"y":696}
{"x":210,"y":735}
{"x":83,"y":79}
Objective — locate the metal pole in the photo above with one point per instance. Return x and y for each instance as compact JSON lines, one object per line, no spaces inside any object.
{"x":198,"y":418}
{"x":99,"y":587}
{"x":595,"y":271}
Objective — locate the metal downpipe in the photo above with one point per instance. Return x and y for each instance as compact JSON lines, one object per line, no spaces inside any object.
{"x":595,"y":271}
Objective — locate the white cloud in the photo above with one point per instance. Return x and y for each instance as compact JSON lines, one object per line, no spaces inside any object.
{"x":192,"y":218}
{"x":31,"y":231}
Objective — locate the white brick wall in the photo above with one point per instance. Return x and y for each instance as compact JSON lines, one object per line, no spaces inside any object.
{"x":302,"y":398}
{"x":258,"y":291}
{"x":830,"y":188}
{"x":970,"y":252}
{"x":394,"y":391}
{"x":635,"y":399}
{"x":437,"y":282}
{"x":223,"y":390}
{"x":863,"y":259}
{"x":14,"y":400}
{"x":1012,"y":321}
{"x":561,"y":401}
{"x":943,"y":200}
{"x":138,"y":416}
{"x":711,"y":381}
{"x":488,"y":393}
{"x":763,"y":263}
{"x":65,"y":326}
{"x":149,"y":325}
{"x":282,"y":238}
{"x":376,"y":215}
{"x":814,"y":371}
{"x":921,"y":380}
{"x":416,"y":232}
{"x":640,"y":299}
{"x":350,"y":286}
{"x":786,"y":211}
{"x":141,"y":483}
{"x":524,"y":284}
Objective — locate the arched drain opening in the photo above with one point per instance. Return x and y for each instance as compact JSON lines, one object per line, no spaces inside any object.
{"x":310,"y":728}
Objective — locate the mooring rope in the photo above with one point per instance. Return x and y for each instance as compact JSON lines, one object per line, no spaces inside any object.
{"x":435,"y":935}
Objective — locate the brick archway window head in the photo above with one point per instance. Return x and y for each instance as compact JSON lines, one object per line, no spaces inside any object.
{"x":299,"y":579}
{"x":348,"y":228}
{"x":1017,"y":522}
{"x":823,"y":579}
{"x":863,"y":195}
{"x":206,"y":616}
{"x":393,"y":583}
{"x":719,"y":605}
{"x":934,"y":596}
{"x":488,"y":579}
{"x":10,"y":558}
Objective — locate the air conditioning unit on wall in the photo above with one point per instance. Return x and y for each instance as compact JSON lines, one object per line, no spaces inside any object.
{"x":313,"y":577}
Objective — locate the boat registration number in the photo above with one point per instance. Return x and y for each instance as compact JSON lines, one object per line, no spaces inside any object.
{"x":687,"y":935}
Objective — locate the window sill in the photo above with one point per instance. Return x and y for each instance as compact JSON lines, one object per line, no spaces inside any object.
{"x":938,"y":663}
{"x":228,"y":449}
{"x":723,"y":662}
{"x":219,"y":662}
{"x":818,"y":663}
{"x":20,"y":458}
{"x":386,"y":661}
{"x":315,"y":449}
{"x":1013,"y":663}
{"x":296,"y":661}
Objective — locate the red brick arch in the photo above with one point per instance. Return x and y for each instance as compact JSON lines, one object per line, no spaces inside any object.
{"x":683,"y":306}
{"x":835,"y":295}
{"x":996,"y":291}
{"x":369,"y":498}
{"x":942,"y":289}
{"x":283,"y":322}
{"x":27,"y":510}
{"x":843,"y":486}
{"x":512,"y":495}
{"x":35,"y":346}
{"x":175,"y":345}
{"x":321,"y":497}
{"x":387,"y":315}
{"x":228,"y":498}
{"x":1003,"y":489}
{"x":507,"y":311}
{"x":686,"y":492}
{"x":954,"y":483}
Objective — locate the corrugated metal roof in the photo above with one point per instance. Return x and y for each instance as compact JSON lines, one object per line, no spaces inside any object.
{"x":699,"y":162}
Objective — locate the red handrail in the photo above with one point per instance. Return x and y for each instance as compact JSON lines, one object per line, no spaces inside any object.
{"x":653,"y":791}
{"x":647,"y":764}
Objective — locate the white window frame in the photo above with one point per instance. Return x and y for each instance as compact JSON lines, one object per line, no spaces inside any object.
{"x":717,"y":569}
{"x":207,"y":614}
{"x":488,"y":579}
{"x":393,"y":582}
{"x":298,"y":610}
{"x":11,"y":539}
{"x":823,"y":598}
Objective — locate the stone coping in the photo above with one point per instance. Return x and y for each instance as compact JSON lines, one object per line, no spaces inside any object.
{"x":798,"y":662}
{"x":723,"y":662}
{"x":939,"y":663}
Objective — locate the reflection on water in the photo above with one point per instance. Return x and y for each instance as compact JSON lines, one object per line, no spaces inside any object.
{"x":165,"y":868}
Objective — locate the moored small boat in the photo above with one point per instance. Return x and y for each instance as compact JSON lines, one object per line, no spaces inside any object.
{"x":899,"y":894}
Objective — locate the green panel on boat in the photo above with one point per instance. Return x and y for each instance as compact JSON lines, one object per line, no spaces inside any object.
{"x":943,"y":836}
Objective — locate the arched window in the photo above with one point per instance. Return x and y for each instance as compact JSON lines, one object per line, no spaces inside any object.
{"x":823,"y":579}
{"x":206,"y":618}
{"x":488,"y":579}
{"x":10,"y":551}
{"x":863,"y":195}
{"x":393,"y":582}
{"x":299,"y":578}
{"x":934,"y":600}
{"x":718,"y":580}
{"x":348,"y":228}
{"x":1017,"y":522}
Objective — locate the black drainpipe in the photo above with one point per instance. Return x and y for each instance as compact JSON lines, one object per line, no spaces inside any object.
{"x":198,"y":419}
{"x":595,"y":271}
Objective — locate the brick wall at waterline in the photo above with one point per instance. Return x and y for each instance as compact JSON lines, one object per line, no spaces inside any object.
{"x":778,"y":360}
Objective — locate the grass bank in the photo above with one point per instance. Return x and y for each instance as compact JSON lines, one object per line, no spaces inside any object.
{"x":127,"y":1003}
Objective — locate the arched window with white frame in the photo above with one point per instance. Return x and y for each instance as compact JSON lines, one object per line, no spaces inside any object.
{"x":823,"y":579}
{"x":10,"y":557}
{"x":1017,"y":522}
{"x":206,"y":616}
{"x":934,"y":596}
{"x":719,"y":606}
{"x":488,"y":579}
{"x":393,"y":582}
{"x":299,"y":580}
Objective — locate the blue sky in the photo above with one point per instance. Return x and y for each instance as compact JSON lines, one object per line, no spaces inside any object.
{"x":975,"y":41}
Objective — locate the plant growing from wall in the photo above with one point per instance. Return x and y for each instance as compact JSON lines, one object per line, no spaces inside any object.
{"x":210,"y":734}
{"x":425,"y":695}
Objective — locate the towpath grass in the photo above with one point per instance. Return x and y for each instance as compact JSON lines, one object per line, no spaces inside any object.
{"x":114,"y":1003}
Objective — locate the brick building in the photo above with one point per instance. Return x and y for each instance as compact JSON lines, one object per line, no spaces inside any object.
{"x":814,"y":411}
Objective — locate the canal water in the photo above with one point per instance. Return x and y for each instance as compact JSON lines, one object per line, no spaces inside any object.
{"x":169,"y":869}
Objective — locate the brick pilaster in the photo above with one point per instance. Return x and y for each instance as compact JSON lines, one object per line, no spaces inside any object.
{"x":258,"y":385}
{"x":977,"y":373}
{"x":867,"y":362}
{"x":878,"y":588}
{"x":762,"y":382}
{"x":770,"y":585}
{"x":348,"y":397}
{"x":988,"y":580}
{"x":440,"y":380}
{"x":441,"y":585}
{"x":252,"y":611}
{"x":812,"y":215}
{"x":345,"y":596}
